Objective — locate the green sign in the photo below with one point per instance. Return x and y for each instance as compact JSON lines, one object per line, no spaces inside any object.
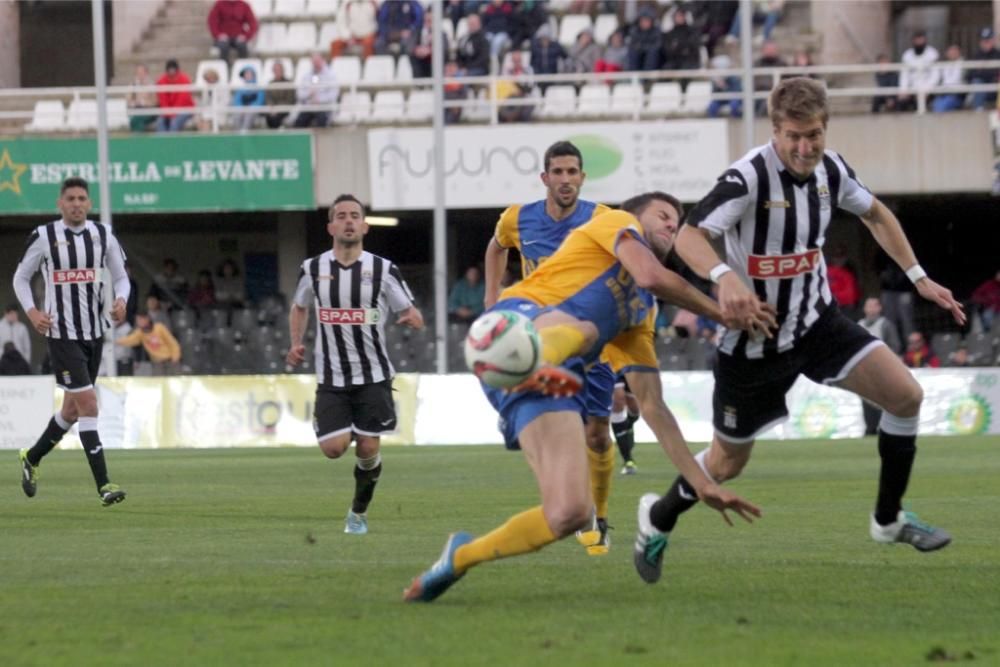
{"x":164,"y":172}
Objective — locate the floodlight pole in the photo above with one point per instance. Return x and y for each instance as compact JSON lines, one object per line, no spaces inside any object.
{"x":746,"y":51}
{"x":440,"y":220}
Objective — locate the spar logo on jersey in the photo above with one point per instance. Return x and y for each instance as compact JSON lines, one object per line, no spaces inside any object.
{"x":70,"y":276}
{"x":783,"y":266}
{"x":348,"y":316}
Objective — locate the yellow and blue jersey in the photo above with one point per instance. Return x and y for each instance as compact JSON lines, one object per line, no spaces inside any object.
{"x":535,"y":234}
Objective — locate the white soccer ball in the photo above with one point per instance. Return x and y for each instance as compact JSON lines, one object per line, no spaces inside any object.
{"x":502,"y":348}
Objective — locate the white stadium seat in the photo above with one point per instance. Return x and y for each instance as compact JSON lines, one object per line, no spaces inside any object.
{"x":571,"y":26}
{"x":626,"y":99}
{"x":303,"y":66}
{"x":594,"y":100}
{"x":347,"y":69}
{"x":221,"y":68}
{"x":82,"y":115}
{"x":290,"y":8}
{"x":262,"y":9}
{"x":117,"y":113}
{"x":387,"y":107}
{"x":559,"y":101}
{"x":328,"y":32}
{"x":300,"y":38}
{"x":240,"y":64}
{"x":267,"y":69}
{"x":379,"y":69}
{"x":353,"y":108}
{"x":271,"y":38}
{"x":404,"y":70}
{"x":697,"y":96}
{"x":419,"y":106}
{"x":604,"y":26}
{"x":477,"y":108}
{"x":664,"y":98}
{"x":322,"y":7}
{"x":461,"y":30}
{"x":48,"y":115}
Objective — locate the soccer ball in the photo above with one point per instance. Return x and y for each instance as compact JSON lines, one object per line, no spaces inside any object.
{"x":502,"y":348}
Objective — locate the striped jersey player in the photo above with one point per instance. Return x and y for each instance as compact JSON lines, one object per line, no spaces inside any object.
{"x":352,"y":292}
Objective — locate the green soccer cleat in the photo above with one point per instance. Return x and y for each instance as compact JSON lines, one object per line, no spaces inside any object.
{"x":630,"y":468}
{"x":908,"y":529}
{"x":111,"y":494}
{"x":29,"y":475}
{"x":355,"y":524}
{"x":650,"y":543}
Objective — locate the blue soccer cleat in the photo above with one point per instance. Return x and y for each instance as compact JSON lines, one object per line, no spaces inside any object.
{"x":356,"y":524}
{"x":441,"y":575}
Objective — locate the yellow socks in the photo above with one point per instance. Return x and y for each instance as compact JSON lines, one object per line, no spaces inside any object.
{"x":602,"y":467}
{"x":523,"y":533}
{"x":560,"y":342}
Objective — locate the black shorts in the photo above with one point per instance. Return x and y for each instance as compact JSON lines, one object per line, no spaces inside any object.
{"x":75,"y":363}
{"x":749,"y":394}
{"x":367,"y":409}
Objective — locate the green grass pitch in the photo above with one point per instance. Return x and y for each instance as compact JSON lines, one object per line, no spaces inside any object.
{"x":237,"y":557}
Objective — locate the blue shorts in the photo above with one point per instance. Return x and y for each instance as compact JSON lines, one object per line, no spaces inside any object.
{"x":517,"y":410}
{"x":599,"y":390}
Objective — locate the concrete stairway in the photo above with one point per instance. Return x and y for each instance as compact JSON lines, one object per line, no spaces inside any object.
{"x":180,"y":31}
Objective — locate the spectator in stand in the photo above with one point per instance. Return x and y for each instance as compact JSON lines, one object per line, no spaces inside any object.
{"x":155,"y":309}
{"x":232,"y":24}
{"x":725,"y":84}
{"x":584,"y":53}
{"x":155,"y":338}
{"x":887,"y":79}
{"x":280,"y":97}
{"x":507,"y":90}
{"x":802,"y":58}
{"x":317,"y":87}
{"x":357,"y":22}
{"x":986,"y":297}
{"x":897,"y":299}
{"x":770,"y":56}
{"x":132,"y":305}
{"x":718,"y":20}
{"x":454,"y":11}
{"x":843,"y":281}
{"x":498,"y":24}
{"x":918,"y":74}
{"x":958,"y":358}
{"x":615,"y":55}
{"x":453,"y":91}
{"x":884,"y":330}
{"x":141,"y":99}
{"x":546,"y":54}
{"x":229,"y":287}
{"x":473,"y":51}
{"x":767,"y":12}
{"x":423,"y":53}
{"x":124,"y":356}
{"x":681,"y":44}
{"x":169,"y":286}
{"x":248,"y":95}
{"x":211,"y":101}
{"x":918,"y":354}
{"x":529,"y":16}
{"x":13,"y":330}
{"x":465,"y":302}
{"x":949,"y":72}
{"x":644,"y":44}
{"x":174,"y":99}
{"x":987,"y":51}
{"x":202,"y":295}
{"x":399,"y":23}
{"x":12,"y":362}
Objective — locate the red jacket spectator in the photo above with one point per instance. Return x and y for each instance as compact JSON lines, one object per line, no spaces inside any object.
{"x":177,"y":98}
{"x":918,"y":354}
{"x":232,"y":18}
{"x":987,"y":295}
{"x":843,"y":285}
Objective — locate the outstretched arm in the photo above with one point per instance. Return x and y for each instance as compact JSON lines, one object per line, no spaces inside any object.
{"x":888,"y":233}
{"x":495,"y":262}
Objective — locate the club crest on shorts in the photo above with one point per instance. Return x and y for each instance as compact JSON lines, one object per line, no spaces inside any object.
{"x":729,"y":416}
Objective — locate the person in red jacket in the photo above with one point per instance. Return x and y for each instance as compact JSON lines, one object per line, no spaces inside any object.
{"x":232,"y":24}
{"x":987,"y":298}
{"x":918,"y":354}
{"x":170,"y":99}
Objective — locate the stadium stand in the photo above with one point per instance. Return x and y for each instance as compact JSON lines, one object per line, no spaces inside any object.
{"x":664,"y":98}
{"x":48,"y":116}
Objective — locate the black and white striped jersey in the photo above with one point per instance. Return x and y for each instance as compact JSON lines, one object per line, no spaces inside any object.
{"x":75,"y":263}
{"x":774,"y":227}
{"x":352,"y":304}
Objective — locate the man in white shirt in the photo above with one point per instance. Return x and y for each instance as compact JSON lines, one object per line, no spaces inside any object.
{"x":946,"y":74}
{"x":316,"y":87}
{"x":918,"y":74}
{"x":14,"y":330}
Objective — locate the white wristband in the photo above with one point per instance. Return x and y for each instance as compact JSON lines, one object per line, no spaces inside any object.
{"x":718,"y":271}
{"x":915,"y":273}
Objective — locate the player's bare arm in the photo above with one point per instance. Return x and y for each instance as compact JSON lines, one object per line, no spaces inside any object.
{"x":411,"y":317}
{"x":40,"y":321}
{"x":298,"y":317}
{"x":647,"y":389}
{"x":888,"y":233}
{"x":495,"y":262}
{"x":118,"y":311}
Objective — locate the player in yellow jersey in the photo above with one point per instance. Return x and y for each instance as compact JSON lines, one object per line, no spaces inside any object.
{"x":536,"y":231}
{"x":596,"y":293}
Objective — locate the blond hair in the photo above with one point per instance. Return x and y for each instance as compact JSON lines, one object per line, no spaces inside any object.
{"x":800,"y":99}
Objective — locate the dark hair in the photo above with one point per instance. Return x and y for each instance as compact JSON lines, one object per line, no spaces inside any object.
{"x":231,"y":262}
{"x":172,"y":64}
{"x":636,"y":205}
{"x":562,"y":149}
{"x":347,"y":197}
{"x":171,"y":261}
{"x":10,"y":307}
{"x":74,"y":182}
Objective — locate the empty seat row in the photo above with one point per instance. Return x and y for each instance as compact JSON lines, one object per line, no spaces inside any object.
{"x":265,"y":9}
{"x":595,"y":99}
{"x":51,"y":116}
{"x":346,"y":69}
